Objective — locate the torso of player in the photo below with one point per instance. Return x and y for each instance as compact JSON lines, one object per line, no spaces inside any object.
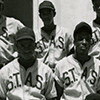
{"x":95,"y":45}
{"x":78,"y":82}
{"x":24,"y":83}
{"x":55,"y":43}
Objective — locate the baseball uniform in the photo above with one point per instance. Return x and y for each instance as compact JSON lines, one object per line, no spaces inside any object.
{"x":77,"y":80}
{"x":8,"y":28}
{"x":53,"y":47}
{"x":95,"y":46}
{"x":35,"y":83}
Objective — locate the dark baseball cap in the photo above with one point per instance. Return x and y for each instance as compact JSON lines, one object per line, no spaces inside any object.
{"x":82,"y":26}
{"x":2,"y":1}
{"x":25,"y":33}
{"x":46,"y":4}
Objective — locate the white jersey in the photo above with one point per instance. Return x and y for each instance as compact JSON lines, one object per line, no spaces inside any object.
{"x":77,"y":80}
{"x":8,"y":28}
{"x":35,"y":83}
{"x":95,"y":46}
{"x":55,"y":46}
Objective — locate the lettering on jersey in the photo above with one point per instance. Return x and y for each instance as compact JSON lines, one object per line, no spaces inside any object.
{"x":95,"y":38}
{"x":61,"y":40}
{"x":69,"y":77}
{"x":94,"y":75}
{"x":13,"y":81}
{"x":4,"y":29}
{"x":52,"y":41}
{"x":30,"y":82}
{"x":84,"y":74}
{"x":10,"y":85}
{"x":16,"y":75}
{"x":42,"y":44}
{"x":29,"y":79}
{"x":39,"y":83}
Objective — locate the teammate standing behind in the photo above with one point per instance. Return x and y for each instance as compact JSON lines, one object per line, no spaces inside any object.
{"x":8,"y":28}
{"x":26,"y":78}
{"x":78,"y":75}
{"x":95,"y":48}
{"x":53,"y":41}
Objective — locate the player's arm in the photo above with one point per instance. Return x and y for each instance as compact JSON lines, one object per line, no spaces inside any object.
{"x":59,"y":90}
{"x":69,"y":44}
{"x":2,"y":85}
{"x":93,"y":96}
{"x":50,"y":90}
{"x":58,"y":82}
{"x":71,"y":51}
{"x":19,"y":24}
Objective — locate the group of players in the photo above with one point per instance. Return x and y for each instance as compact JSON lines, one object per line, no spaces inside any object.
{"x":49,"y":64}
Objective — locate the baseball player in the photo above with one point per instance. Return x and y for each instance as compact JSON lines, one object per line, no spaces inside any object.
{"x":26,"y":77}
{"x":78,"y":75}
{"x":8,"y":28}
{"x":95,"y":24}
{"x":53,"y":41}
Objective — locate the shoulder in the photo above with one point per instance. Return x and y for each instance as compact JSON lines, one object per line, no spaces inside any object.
{"x":10,"y":67}
{"x":94,"y":26}
{"x":11,"y":20}
{"x":43,"y":67}
{"x":65,"y":62}
{"x":38,"y":34}
{"x":62,"y":29}
{"x":64,"y":32}
{"x":95,"y":60}
{"x":61,"y":63}
{"x":66,"y":59}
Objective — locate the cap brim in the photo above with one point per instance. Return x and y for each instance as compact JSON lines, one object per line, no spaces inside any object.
{"x":25,"y":37}
{"x":46,"y":7}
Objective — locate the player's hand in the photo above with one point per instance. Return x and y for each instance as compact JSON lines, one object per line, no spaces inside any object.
{"x":93,"y":96}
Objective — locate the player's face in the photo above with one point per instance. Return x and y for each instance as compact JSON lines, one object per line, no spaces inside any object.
{"x":26,"y":48}
{"x":47,"y":16}
{"x":82,"y":43}
{"x":96,"y":7}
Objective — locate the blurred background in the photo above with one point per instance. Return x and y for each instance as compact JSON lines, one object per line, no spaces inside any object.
{"x":69,"y":12}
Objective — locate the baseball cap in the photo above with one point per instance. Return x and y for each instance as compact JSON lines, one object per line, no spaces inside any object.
{"x":46,"y":4}
{"x":2,"y":1}
{"x":82,"y":26}
{"x":25,"y":33}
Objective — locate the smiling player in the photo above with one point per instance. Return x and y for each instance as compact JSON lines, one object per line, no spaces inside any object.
{"x":78,"y":75}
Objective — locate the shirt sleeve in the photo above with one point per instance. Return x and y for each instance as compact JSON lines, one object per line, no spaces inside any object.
{"x":98,"y":82}
{"x":50,"y":90}
{"x":57,"y":75}
{"x":68,"y":42}
{"x":2,"y":86}
{"x":5,"y":53}
{"x":20,"y":25}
